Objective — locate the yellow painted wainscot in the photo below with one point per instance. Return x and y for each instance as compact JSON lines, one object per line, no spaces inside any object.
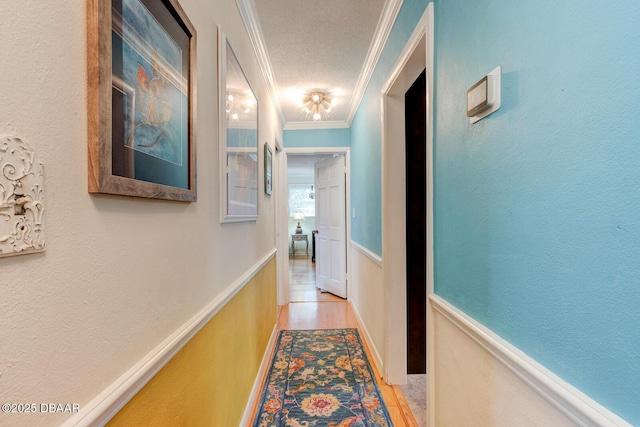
{"x":208,"y":382}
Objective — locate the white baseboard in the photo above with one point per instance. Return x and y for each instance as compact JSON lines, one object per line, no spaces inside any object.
{"x":257,"y":384}
{"x":106,"y":404}
{"x":372,"y":347}
{"x":570,"y":401}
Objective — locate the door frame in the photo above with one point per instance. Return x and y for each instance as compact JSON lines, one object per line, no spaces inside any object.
{"x":280,"y":174}
{"x":415,"y":57}
{"x":283,"y":203}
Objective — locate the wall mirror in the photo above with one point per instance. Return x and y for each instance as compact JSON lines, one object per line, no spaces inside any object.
{"x":238,"y":138}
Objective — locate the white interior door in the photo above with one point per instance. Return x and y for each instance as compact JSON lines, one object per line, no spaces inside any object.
{"x":331,"y":239}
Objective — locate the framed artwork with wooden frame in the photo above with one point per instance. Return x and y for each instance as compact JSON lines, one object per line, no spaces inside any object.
{"x":238,"y":138}
{"x":142,"y":111}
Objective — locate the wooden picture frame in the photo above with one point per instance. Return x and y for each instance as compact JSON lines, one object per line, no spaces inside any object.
{"x":239,"y":114}
{"x":268,"y":169}
{"x":142,"y":89}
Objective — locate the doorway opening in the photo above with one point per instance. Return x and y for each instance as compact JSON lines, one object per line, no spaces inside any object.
{"x":416,"y":220}
{"x":304,"y":261}
{"x":415,"y":391}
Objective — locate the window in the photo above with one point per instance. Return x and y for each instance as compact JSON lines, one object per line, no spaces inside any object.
{"x":302,"y":199}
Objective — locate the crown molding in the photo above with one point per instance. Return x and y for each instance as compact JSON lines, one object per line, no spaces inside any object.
{"x":319,"y":124}
{"x":385,"y":24}
{"x":252,"y":24}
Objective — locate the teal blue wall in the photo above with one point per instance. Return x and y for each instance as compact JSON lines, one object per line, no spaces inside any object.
{"x":242,"y":138}
{"x":537,"y":207}
{"x":366,"y":227}
{"x":317,"y":138}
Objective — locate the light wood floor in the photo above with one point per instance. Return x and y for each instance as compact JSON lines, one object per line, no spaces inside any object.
{"x":302,"y":282}
{"x":338,"y":314}
{"x":315,"y":310}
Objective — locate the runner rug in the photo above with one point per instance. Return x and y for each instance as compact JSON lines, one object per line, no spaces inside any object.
{"x":321,"y":378}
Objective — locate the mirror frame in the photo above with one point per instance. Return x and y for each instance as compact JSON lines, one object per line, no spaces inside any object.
{"x":250,"y":202}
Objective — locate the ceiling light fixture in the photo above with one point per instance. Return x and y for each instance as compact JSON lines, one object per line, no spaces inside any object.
{"x":236,"y":104}
{"x":316,"y":105}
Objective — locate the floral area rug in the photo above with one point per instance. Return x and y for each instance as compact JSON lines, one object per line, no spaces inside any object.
{"x":321,"y":378}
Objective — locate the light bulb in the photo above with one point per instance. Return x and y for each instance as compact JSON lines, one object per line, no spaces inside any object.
{"x":230,"y":98}
{"x":316,"y":116}
{"x":315,"y":97}
{"x":234,"y":116}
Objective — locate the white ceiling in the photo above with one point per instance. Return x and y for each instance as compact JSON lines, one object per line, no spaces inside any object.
{"x":301,"y":166}
{"x":329,"y":46}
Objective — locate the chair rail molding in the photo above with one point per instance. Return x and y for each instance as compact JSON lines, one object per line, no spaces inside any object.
{"x":573,"y":403}
{"x":106,"y":404}
{"x":366,"y":252}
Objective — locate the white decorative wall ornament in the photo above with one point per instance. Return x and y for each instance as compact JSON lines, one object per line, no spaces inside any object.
{"x":21,"y":198}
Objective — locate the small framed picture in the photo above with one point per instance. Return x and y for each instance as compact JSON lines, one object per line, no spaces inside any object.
{"x":268,"y":168}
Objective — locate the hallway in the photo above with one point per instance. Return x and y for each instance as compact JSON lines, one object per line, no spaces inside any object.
{"x":131,"y":293}
{"x":311,"y":309}
{"x":339,"y":314}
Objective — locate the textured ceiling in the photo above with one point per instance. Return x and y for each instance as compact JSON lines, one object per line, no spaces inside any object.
{"x":317,"y":45}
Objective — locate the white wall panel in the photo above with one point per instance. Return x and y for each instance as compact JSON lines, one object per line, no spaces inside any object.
{"x":366,"y":294}
{"x":480,"y":379}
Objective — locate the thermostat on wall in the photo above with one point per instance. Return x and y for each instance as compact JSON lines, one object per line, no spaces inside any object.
{"x":483,"y":98}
